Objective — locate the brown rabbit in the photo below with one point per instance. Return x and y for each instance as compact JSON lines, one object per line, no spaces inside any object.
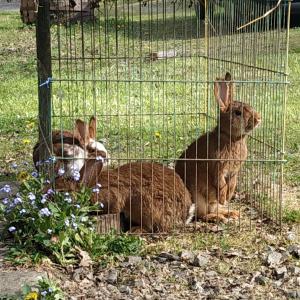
{"x":212,"y":179}
{"x":150,"y":195}
{"x":73,"y":145}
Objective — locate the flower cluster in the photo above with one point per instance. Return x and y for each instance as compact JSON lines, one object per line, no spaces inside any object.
{"x":41,"y":218}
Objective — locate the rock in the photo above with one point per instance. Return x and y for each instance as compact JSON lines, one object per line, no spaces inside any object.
{"x":260,"y":279}
{"x":133,"y":260}
{"x":112,"y":276}
{"x":274,"y":259}
{"x":294,"y":250}
{"x":200,"y":261}
{"x":293,"y":294}
{"x":291,"y":236}
{"x":281,"y":272}
{"x":187,"y":256}
{"x":85,"y":284}
{"x":195,"y":285}
{"x":12,"y":282}
{"x":169,"y":256}
{"x":125,"y":289}
{"x":140,"y":283}
{"x":211,"y":274}
{"x":294,"y":270}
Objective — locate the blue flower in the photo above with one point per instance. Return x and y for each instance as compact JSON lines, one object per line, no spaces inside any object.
{"x":26,"y":163}
{"x":12,"y":229}
{"x":23,"y":211}
{"x":76,"y":175}
{"x":44,"y":293}
{"x":53,"y":159}
{"x":68,"y":199}
{"x":50,"y":290}
{"x":6,"y":189}
{"x":5,"y":201}
{"x":14,"y":165}
{"x":50,"y":192}
{"x":31,"y":196}
{"x":17,"y":201}
{"x":75,"y":226}
{"x":35,"y":174}
{"x":61,"y":172}
{"x":44,"y":199}
{"x":77,"y":206}
{"x":96,"y":190}
{"x":49,"y":231}
{"x":45,"y":212}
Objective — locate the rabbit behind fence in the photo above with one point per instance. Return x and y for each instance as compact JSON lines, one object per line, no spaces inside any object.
{"x":74,"y":146}
{"x":151,"y":196}
{"x":212,"y":179}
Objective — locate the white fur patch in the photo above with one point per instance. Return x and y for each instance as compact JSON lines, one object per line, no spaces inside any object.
{"x":78,"y":155}
{"x":97,"y":146}
{"x":191,"y":214}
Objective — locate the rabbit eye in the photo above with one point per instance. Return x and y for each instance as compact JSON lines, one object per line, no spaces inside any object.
{"x":238,"y":113}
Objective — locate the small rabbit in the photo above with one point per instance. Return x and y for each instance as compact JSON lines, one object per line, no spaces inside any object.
{"x":212,"y":179}
{"x":74,"y":146}
{"x":150,"y":195}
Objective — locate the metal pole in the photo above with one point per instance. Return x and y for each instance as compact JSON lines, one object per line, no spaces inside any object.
{"x":43,"y":47}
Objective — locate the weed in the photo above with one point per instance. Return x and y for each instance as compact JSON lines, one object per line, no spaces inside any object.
{"x":291,"y":216}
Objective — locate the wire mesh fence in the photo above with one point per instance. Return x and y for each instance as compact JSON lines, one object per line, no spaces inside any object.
{"x":148,"y":71}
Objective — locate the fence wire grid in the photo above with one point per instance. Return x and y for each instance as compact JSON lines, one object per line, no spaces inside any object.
{"x":146,"y":70}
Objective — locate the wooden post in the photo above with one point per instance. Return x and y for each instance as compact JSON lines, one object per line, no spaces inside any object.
{"x":43,"y":46}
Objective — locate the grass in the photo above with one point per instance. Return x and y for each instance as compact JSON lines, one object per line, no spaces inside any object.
{"x":130,"y":113}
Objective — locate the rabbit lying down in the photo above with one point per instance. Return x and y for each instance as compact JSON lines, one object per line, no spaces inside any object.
{"x":212,"y":179}
{"x":150,"y":195}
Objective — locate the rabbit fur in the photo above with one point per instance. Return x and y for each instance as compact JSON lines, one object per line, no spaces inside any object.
{"x":213,"y":181}
{"x":150,"y":195}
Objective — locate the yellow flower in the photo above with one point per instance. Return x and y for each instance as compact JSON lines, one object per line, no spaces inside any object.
{"x":30,"y":125}
{"x":22,"y":176}
{"x":157,"y":134}
{"x":26,"y":141}
{"x":32,"y":296}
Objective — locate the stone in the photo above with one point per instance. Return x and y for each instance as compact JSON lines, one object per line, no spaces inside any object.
{"x":169,"y":256}
{"x":281,"y":272}
{"x":211,"y":274}
{"x":133,"y":260}
{"x":187,"y":256}
{"x":200,"y":261}
{"x":274,"y":259}
{"x":294,"y":250}
{"x":112,"y":276}
{"x":12,"y":282}
{"x":140,"y":283}
{"x":125,"y":289}
{"x":294,"y":270}
{"x":293,"y":294}
{"x":260,"y":279}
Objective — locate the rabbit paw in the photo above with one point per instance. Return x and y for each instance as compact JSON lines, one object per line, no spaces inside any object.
{"x":232,"y":214}
{"x":213,"y":217}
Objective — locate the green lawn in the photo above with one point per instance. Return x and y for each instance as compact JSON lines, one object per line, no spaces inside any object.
{"x":132,"y":123}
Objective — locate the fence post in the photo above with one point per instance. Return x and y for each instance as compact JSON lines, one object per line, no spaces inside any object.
{"x":43,"y":47}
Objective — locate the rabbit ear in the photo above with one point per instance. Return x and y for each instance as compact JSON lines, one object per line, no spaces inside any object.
{"x":90,"y":172}
{"x":92,"y":127}
{"x":223,"y":90}
{"x":82,"y":129}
